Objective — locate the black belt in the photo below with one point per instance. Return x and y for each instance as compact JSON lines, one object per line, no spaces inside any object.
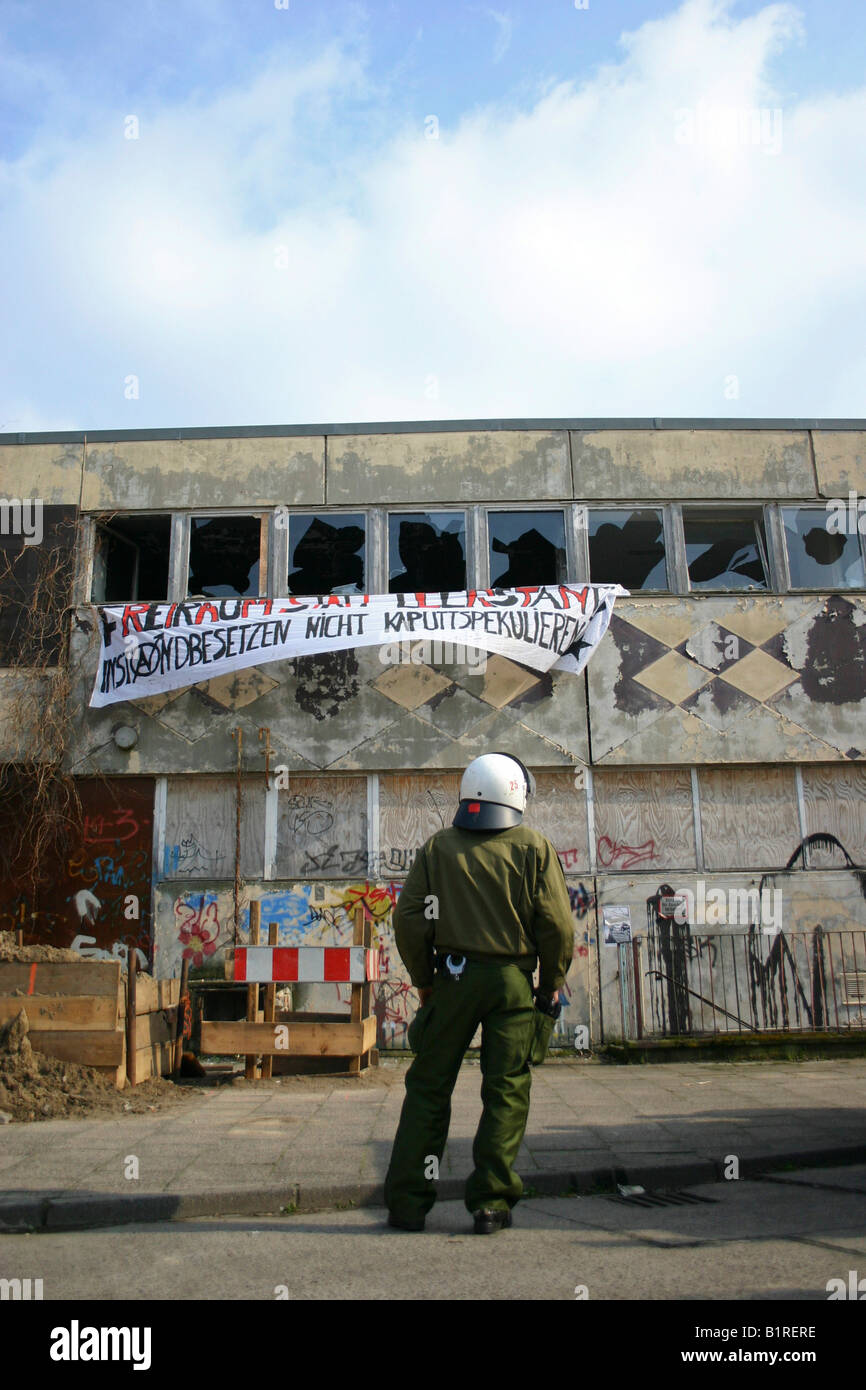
{"x":452,"y":964}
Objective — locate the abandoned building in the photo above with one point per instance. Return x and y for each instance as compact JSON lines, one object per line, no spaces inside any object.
{"x":703,"y":780}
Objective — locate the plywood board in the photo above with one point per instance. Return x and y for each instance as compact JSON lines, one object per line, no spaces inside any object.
{"x":644,"y":821}
{"x":153,"y":1028}
{"x":63,"y":1013}
{"x":411,"y":809}
{"x":154,"y":1060}
{"x":304,"y":1039}
{"x":835,"y":800}
{"x":558,"y":810}
{"x":95,"y":1049}
{"x":200,"y":828}
{"x":152,"y":995}
{"x":748,"y":816}
{"x":60,"y":977}
{"x":322,"y":827}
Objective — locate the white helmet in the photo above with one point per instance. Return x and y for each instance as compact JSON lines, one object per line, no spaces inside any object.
{"x":493,"y":792}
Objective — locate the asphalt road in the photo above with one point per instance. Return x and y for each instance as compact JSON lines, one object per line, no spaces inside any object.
{"x":781,"y":1238}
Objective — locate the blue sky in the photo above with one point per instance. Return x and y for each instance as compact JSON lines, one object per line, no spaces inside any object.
{"x":220,"y":212}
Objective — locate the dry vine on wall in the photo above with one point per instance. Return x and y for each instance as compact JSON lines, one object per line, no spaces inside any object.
{"x":41,"y":816}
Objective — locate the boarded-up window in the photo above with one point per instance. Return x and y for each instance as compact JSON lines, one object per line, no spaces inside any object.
{"x":748,"y":817}
{"x":644,"y":820}
{"x":558,"y":810}
{"x":835,"y":800}
{"x":95,"y":887}
{"x":200,"y":828}
{"x":322,"y":828}
{"x":411,"y":809}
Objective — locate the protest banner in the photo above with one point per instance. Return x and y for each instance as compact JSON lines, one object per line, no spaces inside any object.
{"x":149,"y":648}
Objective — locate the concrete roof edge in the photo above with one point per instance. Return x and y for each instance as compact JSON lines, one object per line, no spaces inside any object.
{"x":420,"y":427}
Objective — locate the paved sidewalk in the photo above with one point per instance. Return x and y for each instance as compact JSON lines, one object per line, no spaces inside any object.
{"x":312,"y":1144}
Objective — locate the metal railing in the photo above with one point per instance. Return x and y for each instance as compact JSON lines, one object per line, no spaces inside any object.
{"x":752,"y":981}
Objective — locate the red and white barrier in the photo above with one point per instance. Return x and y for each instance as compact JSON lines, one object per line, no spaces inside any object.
{"x":305,"y":964}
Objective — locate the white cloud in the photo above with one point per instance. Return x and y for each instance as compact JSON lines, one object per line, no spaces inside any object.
{"x":504,"y":25}
{"x":253,"y":261}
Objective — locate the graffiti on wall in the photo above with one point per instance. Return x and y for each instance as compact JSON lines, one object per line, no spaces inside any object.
{"x":99,"y":902}
{"x":322,"y":914}
{"x":613,"y":853}
{"x":756,"y":978}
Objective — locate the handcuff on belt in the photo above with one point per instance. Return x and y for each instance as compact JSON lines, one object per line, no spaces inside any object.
{"x":453,"y":963}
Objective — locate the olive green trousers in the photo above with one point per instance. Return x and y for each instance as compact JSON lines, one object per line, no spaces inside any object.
{"x":499,"y":998}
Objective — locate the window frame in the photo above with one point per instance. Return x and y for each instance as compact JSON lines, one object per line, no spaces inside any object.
{"x":781,"y":508}
{"x":485,"y":508}
{"x":274,"y":541}
{"x":372,"y":544}
{"x":188,"y":517}
{"x":732,"y":509}
{"x":468,"y":533}
{"x":635,"y":507}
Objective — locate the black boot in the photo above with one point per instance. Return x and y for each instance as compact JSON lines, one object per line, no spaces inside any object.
{"x":488,"y":1222}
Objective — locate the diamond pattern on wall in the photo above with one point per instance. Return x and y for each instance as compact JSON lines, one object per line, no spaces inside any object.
{"x":410,"y":686}
{"x":718,"y":704}
{"x":237,"y":689}
{"x":453,"y":711}
{"x":673,"y":677}
{"x":192,"y":715}
{"x":715,"y":647}
{"x":761,"y":678}
{"x":504,"y":681}
{"x":760,"y":675}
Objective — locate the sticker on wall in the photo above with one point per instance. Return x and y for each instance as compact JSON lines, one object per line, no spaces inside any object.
{"x":616,"y":924}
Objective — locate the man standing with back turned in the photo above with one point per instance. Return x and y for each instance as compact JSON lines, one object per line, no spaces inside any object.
{"x":484,"y":902}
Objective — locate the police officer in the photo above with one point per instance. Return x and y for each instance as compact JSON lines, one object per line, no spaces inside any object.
{"x":484,"y":902}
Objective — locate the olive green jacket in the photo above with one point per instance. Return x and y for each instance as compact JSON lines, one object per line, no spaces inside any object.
{"x":487,"y":893}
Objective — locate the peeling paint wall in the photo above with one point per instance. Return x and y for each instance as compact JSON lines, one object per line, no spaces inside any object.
{"x":711,"y":734}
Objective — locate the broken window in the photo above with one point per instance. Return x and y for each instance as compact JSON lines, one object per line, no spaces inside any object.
{"x":726,"y":549}
{"x":527,"y":548}
{"x":130,"y":558}
{"x":426,"y":552}
{"x":627,"y":548}
{"x":822,"y":555}
{"x":327,"y":554}
{"x":224,"y":556}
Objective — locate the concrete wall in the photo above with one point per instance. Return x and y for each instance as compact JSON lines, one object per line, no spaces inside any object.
{"x":721,"y":729}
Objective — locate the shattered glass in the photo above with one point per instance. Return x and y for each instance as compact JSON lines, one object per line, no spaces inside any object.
{"x":327,"y":555}
{"x":427,"y":552}
{"x":224,"y":556}
{"x":627,"y":548}
{"x":726,"y":550}
{"x":818,"y":557}
{"x":527,"y":548}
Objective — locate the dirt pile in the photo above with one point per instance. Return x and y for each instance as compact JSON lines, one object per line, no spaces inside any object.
{"x":9,"y":951}
{"x":36,"y":1087}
